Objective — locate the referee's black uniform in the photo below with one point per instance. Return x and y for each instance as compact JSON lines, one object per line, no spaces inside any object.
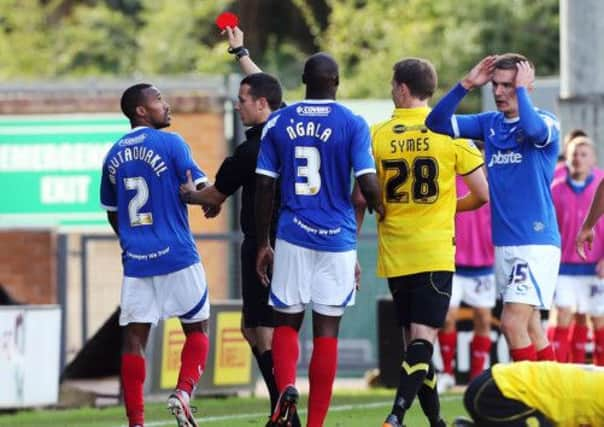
{"x":239,"y":170}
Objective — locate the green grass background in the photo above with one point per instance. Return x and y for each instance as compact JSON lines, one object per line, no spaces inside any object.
{"x":350,"y":409}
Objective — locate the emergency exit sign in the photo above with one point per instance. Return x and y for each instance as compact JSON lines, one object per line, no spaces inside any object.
{"x":50,"y":168}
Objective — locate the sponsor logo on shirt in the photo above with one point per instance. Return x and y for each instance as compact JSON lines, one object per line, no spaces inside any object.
{"x":125,"y":142}
{"x":508,"y":158}
{"x":313,"y":110}
{"x":538,"y":226}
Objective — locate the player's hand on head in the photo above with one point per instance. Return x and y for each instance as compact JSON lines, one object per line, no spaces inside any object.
{"x":584,"y":238}
{"x":481,"y":74}
{"x":234,"y":36}
{"x":525,"y":74}
{"x":264,"y":260}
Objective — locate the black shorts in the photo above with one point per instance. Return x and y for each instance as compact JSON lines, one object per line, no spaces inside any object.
{"x":489,"y":407}
{"x":422,"y":298}
{"x":256,"y":310}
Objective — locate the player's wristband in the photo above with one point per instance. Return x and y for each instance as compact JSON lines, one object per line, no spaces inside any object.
{"x":239,"y":52}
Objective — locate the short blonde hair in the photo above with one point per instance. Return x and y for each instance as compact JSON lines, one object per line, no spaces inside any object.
{"x":577,"y":142}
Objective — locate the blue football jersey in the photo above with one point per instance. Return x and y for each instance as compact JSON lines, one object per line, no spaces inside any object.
{"x":314,"y":147}
{"x":140,"y":179}
{"x":520,"y":173}
{"x":520,"y":155}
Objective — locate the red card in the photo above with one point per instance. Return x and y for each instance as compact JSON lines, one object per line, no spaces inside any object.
{"x":227,"y":19}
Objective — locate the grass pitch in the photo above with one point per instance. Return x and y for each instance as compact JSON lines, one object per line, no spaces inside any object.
{"x":348,"y":409}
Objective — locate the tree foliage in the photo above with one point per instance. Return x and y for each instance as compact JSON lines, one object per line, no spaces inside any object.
{"x":54,"y":38}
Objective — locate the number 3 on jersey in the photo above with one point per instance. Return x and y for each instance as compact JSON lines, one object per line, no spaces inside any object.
{"x":424,"y":187}
{"x":309,"y":172}
{"x":141,"y":196}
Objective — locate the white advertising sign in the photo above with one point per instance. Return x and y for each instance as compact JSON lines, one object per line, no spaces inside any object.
{"x":30,"y":338}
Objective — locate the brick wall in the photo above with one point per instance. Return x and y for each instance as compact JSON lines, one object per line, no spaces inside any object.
{"x":28,"y":265}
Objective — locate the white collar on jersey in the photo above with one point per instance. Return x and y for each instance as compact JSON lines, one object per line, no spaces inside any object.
{"x":512,"y":120}
{"x":136,"y":128}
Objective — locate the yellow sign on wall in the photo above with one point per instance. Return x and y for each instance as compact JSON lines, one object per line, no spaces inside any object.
{"x":173,"y":340}
{"x":233,"y":361}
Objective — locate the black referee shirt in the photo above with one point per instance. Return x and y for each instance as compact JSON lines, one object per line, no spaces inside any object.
{"x":239,"y":170}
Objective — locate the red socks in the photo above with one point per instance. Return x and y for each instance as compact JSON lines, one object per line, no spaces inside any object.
{"x":192,"y":361}
{"x":285,"y":355}
{"x":599,"y":347}
{"x":321,"y":373}
{"x":524,"y":353}
{"x":448,"y":345}
{"x":546,"y":353}
{"x":561,"y":343}
{"x":480,"y":348}
{"x":133,"y":378}
{"x":577,"y":342}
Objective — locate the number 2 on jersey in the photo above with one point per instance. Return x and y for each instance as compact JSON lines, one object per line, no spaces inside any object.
{"x":424,"y":186}
{"x":310,"y":171}
{"x":141,"y":196}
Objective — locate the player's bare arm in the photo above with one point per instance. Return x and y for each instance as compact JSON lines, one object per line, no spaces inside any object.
{"x":586,"y":234}
{"x":480,"y":74}
{"x":265,"y":195}
{"x":479,"y":191}
{"x":360,"y":204}
{"x":207,"y":196}
{"x":370,"y":190}
{"x":235,"y":39}
{"x":112,"y":218}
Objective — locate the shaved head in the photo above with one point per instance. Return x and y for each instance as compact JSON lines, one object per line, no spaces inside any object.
{"x":321,"y":73}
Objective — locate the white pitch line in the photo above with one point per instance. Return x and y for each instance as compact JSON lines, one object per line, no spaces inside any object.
{"x":339,"y":408}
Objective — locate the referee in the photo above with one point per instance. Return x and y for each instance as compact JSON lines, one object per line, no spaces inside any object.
{"x":259,"y":95}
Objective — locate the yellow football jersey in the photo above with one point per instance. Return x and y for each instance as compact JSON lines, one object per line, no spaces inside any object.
{"x":416,"y":170}
{"x":569,"y":395}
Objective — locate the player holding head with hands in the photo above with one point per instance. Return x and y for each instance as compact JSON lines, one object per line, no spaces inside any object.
{"x":521,"y":148}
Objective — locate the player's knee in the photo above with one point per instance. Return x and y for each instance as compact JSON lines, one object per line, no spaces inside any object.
{"x":510,"y":327}
{"x":482,"y":322}
{"x":248,"y":335}
{"x":419,"y":351}
{"x":132,"y":344}
{"x":581,"y":318}
{"x":564,"y":316}
{"x":450,"y":321}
